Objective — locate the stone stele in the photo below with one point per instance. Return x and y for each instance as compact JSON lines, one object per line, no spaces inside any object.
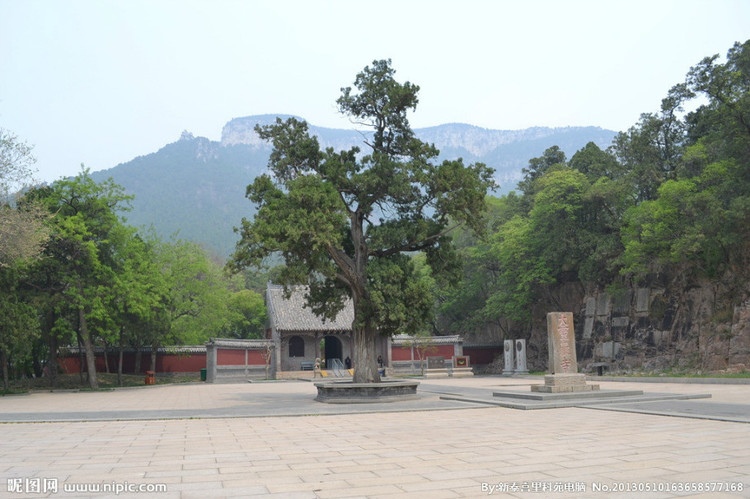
{"x":563,"y":365}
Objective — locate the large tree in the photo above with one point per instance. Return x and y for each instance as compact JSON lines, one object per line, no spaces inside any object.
{"x":345,"y":222}
{"x":81,"y":259}
{"x":22,"y":229}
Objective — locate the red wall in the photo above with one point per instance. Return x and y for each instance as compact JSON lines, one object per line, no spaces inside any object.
{"x":255,"y":358}
{"x":443,"y":351}
{"x":401,"y":353}
{"x":165,"y":362}
{"x":232,"y":357}
{"x":194,"y":362}
{"x":404,"y":353}
{"x":176,"y":363}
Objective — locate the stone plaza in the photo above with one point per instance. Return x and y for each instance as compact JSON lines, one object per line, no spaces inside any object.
{"x":273,"y":440}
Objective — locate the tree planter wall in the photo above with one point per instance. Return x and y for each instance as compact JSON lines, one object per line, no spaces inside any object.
{"x":346,"y":392}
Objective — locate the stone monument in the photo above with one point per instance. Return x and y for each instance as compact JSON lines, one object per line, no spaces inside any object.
{"x":508,"y":358}
{"x":563,"y":365}
{"x":521,"y":367}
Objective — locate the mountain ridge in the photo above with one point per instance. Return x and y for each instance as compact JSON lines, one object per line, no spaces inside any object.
{"x":195,"y":187}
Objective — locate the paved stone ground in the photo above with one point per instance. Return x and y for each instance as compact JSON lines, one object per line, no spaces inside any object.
{"x":235,"y":445}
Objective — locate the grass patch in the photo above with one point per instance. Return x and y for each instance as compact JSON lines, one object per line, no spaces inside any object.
{"x":107,"y":381}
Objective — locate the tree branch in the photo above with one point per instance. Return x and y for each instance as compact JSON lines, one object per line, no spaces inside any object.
{"x":414,"y":246}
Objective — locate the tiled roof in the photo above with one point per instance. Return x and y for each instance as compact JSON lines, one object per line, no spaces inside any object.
{"x":292,"y":315}
{"x":406,"y":340}
{"x":252,"y":344}
{"x":177,"y":349}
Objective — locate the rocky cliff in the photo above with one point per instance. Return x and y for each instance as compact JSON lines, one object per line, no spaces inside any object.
{"x":507,"y":151}
{"x":662,"y":326}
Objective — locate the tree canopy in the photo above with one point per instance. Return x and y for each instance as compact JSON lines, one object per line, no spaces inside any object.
{"x":671,"y":196}
{"x":345,"y":222}
{"x":102,"y":283}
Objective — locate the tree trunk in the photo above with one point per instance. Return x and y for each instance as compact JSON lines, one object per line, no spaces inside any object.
{"x":154,"y":349}
{"x":90,"y":357}
{"x":365,"y":360}
{"x":119,"y":368}
{"x":138,"y":356}
{"x":106,"y":357}
{"x":364,"y":336}
{"x":4,"y":362}
{"x":52,"y":361}
{"x":81,"y":354}
{"x":119,"y":358}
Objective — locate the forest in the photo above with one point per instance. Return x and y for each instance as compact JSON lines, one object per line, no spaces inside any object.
{"x":668,"y":200}
{"x":86,"y":278}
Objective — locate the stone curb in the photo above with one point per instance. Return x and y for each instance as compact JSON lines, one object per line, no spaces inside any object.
{"x":686,"y":380}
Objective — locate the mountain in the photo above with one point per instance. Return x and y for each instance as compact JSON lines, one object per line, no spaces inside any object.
{"x":195,"y":187}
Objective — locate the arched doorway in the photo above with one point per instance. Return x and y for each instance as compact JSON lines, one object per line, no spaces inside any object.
{"x":332,"y":349}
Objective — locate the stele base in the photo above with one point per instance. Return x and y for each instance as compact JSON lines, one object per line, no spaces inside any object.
{"x":564,"y":383}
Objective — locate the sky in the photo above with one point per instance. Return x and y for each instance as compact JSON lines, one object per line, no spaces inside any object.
{"x":99,"y":82}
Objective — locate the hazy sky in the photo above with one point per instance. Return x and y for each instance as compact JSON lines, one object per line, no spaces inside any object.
{"x":100,"y":82}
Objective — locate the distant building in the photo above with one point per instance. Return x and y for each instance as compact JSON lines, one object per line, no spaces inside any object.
{"x":301,"y":336}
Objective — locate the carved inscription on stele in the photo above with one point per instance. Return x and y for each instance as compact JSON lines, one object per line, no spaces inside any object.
{"x":561,"y":343}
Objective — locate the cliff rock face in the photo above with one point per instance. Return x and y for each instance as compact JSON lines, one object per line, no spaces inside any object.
{"x":508,"y":151}
{"x":652,"y":328}
{"x":739,"y":336}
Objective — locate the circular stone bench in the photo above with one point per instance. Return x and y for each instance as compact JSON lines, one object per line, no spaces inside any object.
{"x":347,"y":392}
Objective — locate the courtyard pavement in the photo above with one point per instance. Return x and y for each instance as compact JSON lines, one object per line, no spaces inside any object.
{"x":273,"y":440}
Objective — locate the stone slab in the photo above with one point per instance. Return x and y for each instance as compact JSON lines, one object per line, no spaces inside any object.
{"x":620,"y":321}
{"x":561,"y":343}
{"x":520,"y":352}
{"x":736,"y":413}
{"x":563,"y":383}
{"x":564,"y":389}
{"x":346,"y":392}
{"x":435,"y":362}
{"x":541,"y":396}
{"x":642,"y":297}
{"x":593,"y":399}
{"x":436,"y":373}
{"x":588,"y":327}
{"x":462,"y":372}
{"x":508,"y":351}
{"x":602,"y":305}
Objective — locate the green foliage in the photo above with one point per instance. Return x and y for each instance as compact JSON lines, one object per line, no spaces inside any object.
{"x":672,"y":194}
{"x":18,"y":324}
{"x":538,"y":167}
{"x":100,"y":281}
{"x":248,"y":315}
{"x":699,"y":220}
{"x":395,"y":228}
{"x":345,"y":221}
{"x":192,"y":189}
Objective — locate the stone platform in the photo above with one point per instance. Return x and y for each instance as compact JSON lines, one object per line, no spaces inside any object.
{"x":346,"y":392}
{"x":462,"y":372}
{"x":564,"y":383}
{"x":541,"y":400}
{"x":455,"y":372}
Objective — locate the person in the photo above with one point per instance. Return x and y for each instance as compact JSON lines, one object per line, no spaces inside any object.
{"x":348,"y":363}
{"x":380,"y":361}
